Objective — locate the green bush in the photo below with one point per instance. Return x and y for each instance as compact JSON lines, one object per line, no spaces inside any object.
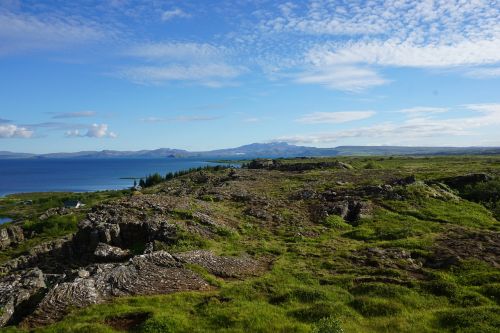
{"x":336,"y":222}
{"x":328,"y":325}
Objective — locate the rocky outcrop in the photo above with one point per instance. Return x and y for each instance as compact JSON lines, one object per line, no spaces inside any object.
{"x":52,"y":257}
{"x":125,"y":232}
{"x":108,"y":253}
{"x":57,"y":211}
{"x":225,"y":267}
{"x":149,"y":274}
{"x":10,"y":235}
{"x":19,"y":293}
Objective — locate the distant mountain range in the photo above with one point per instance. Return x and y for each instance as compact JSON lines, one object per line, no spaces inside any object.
{"x":270,"y":150}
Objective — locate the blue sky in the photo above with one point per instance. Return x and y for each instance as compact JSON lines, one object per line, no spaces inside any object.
{"x":199,"y":75}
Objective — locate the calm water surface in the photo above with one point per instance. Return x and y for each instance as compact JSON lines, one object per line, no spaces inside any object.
{"x":82,"y":175}
{"x":5,"y":220}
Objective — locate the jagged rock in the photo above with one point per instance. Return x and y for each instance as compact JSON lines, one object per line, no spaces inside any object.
{"x":126,"y":233}
{"x":10,"y":235}
{"x":54,"y":212}
{"x":52,"y":257}
{"x":107,"y":253}
{"x":150,"y":274}
{"x":350,"y":209}
{"x":19,"y":293}
{"x":226,"y":267}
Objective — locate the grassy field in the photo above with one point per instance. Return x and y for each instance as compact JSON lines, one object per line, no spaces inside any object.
{"x":327,"y":274}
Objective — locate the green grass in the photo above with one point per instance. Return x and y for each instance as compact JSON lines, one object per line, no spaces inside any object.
{"x":313,"y":284}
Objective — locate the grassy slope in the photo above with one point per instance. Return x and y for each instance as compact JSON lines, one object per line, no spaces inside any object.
{"x":313,"y":284}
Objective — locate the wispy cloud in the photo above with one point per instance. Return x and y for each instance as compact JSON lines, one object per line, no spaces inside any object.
{"x":347,"y":45}
{"x":79,"y":114}
{"x":334,"y":117}
{"x":179,"y":119}
{"x":174,"y":13}
{"x":412,"y":129}
{"x":211,"y":75}
{"x":26,"y":32}
{"x":483,"y":73}
{"x":418,"y":111}
{"x":5,"y":121}
{"x":177,"y":51}
{"x":346,"y":78}
{"x":8,"y":131}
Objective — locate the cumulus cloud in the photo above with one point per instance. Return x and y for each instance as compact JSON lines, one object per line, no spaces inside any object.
{"x":174,"y":13}
{"x":334,"y":117}
{"x":14,"y":131}
{"x":93,"y":131}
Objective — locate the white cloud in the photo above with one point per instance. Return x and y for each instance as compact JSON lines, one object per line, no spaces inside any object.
{"x":79,"y":114}
{"x":408,"y":54}
{"x":346,"y":45}
{"x":483,"y":73}
{"x":173,"y":13}
{"x":14,"y":131}
{"x":334,"y":117}
{"x":177,"y":51}
{"x":252,"y":120}
{"x":208,"y":75}
{"x":413,"y":129}
{"x":346,"y":78}
{"x":179,"y":119}
{"x":199,"y":63}
{"x":25,"y":32}
{"x":93,"y":131}
{"x":418,"y":111}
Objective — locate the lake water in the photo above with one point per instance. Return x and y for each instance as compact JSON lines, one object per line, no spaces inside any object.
{"x":83,"y":175}
{"x":5,"y":220}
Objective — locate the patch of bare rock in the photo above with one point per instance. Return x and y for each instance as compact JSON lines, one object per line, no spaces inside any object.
{"x":101,"y":261}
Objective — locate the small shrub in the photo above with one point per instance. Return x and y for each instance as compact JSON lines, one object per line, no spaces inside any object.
{"x":336,"y":222}
{"x":328,"y":325}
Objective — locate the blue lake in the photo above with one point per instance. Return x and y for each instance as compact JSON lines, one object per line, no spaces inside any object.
{"x":5,"y":220}
{"x":83,"y":175}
